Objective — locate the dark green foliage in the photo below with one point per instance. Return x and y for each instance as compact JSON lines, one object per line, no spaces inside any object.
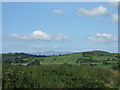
{"x":36,"y":62}
{"x":17,"y":57}
{"x":57,"y":76}
{"x":116,"y":66}
{"x":78,"y":70}
{"x":54,"y":59}
{"x":106,"y":63}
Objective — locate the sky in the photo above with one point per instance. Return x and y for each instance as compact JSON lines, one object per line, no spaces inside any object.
{"x":59,"y":26}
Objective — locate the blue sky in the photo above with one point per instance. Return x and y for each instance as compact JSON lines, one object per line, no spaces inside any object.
{"x":63,"y":26}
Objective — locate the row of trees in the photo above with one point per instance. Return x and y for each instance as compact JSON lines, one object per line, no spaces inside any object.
{"x":19,"y":60}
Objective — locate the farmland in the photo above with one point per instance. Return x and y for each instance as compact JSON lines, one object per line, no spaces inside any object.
{"x":93,"y":69}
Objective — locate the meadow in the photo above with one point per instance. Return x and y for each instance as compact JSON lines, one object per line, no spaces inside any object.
{"x":95,"y":69}
{"x":58,"y":76}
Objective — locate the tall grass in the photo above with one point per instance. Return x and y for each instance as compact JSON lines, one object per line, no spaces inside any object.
{"x":57,"y":76}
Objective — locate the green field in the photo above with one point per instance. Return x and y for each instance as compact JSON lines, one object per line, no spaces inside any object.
{"x":58,"y":76}
{"x":94,"y":69}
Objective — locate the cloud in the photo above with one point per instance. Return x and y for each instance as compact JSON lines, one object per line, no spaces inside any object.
{"x":58,"y":12}
{"x":60,"y":37}
{"x":98,"y":11}
{"x":36,"y":35}
{"x":39,"y":36}
{"x":103,"y":38}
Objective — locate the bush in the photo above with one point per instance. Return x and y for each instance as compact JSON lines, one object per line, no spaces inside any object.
{"x":116,"y":67}
{"x":57,"y":76}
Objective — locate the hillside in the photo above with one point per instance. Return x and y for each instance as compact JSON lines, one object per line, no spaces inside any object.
{"x":92,"y":69}
{"x":89,"y":58}
{"x":11,"y":57}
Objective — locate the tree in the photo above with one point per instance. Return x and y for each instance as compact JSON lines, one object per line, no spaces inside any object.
{"x":59,"y":54}
{"x":37,"y":62}
{"x":105,"y":62}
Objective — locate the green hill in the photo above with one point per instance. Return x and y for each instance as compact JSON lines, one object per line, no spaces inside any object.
{"x":91,"y":69}
{"x":91,"y":58}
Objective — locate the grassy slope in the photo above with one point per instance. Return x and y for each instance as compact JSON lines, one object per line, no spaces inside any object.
{"x":53,"y":73}
{"x":72,"y":58}
{"x":58,"y":76}
{"x":61,"y":59}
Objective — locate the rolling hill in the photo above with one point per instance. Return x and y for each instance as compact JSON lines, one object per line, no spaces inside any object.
{"x":89,"y":58}
{"x":91,"y":69}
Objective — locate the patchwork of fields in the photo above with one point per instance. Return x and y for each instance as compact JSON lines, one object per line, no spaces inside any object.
{"x":94,"y":69}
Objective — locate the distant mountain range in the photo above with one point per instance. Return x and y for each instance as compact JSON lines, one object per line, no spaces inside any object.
{"x":52,"y":52}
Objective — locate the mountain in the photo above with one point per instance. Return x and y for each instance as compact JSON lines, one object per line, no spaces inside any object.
{"x":98,"y":51}
{"x":50,"y":52}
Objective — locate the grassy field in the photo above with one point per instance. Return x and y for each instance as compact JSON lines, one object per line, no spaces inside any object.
{"x":95,"y":69}
{"x":58,"y":76}
{"x":91,"y":58}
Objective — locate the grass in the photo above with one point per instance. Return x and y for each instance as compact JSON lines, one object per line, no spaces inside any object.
{"x":72,"y":59}
{"x":58,"y":76}
{"x":104,"y":66}
{"x":76,"y":70}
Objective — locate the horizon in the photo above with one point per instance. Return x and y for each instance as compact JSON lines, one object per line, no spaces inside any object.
{"x":61,"y":52}
{"x":64,"y":26}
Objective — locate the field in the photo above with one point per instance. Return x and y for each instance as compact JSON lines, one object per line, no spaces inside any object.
{"x":58,"y":76}
{"x":95,"y":69}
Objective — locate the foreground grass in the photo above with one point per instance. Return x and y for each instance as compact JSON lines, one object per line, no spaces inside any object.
{"x":58,"y":76}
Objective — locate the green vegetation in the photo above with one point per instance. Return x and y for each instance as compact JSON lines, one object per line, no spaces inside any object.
{"x":93,"y":69}
{"x":58,"y":76}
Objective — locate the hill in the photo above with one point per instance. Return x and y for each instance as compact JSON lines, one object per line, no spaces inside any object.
{"x":92,"y":69}
{"x":10,"y":57}
{"x":50,"y":52}
{"x":92,"y":58}
{"x":89,"y":58}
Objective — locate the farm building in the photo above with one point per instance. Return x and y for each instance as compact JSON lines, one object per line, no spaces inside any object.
{"x":21,"y":64}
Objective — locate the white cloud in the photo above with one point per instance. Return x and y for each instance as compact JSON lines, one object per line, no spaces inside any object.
{"x":61,"y":37}
{"x":58,"y":12}
{"x":39,"y":36}
{"x":98,"y":11}
{"x":103,"y":38}
{"x":36,"y":35}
